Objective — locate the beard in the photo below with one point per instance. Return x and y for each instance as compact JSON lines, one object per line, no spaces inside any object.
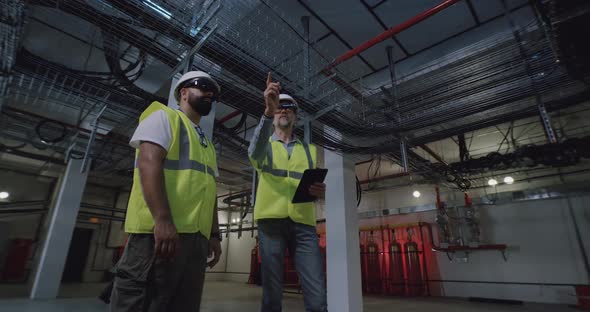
{"x":283,"y":122}
{"x":200,"y":104}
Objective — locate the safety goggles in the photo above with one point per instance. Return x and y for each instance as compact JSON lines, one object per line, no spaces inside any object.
{"x":287,"y":104}
{"x":205,"y":85}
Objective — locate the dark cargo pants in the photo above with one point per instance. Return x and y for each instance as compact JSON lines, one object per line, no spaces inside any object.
{"x":147,"y":283}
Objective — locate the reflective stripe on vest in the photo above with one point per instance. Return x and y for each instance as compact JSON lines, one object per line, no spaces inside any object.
{"x":284,"y":173}
{"x":184,"y":162}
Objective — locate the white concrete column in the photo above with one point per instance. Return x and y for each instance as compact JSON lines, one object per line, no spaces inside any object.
{"x":59,"y":234}
{"x":342,"y":240}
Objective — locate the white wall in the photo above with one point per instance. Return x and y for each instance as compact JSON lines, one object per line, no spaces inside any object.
{"x":542,"y":249}
{"x":238,"y":261}
{"x":235,"y":259}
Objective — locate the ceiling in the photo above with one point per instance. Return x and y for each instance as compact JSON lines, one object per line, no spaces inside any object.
{"x":459,"y":71}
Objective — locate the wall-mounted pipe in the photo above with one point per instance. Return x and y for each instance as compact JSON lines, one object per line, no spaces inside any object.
{"x":94,"y":207}
{"x":435,"y":247}
{"x":21,"y":204}
{"x":386,"y":177}
{"x":100,"y":216}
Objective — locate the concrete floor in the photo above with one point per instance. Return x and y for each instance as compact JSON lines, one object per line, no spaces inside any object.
{"x":231,"y":296}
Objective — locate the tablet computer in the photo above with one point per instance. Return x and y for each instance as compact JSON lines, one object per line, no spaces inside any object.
{"x":310,"y":176}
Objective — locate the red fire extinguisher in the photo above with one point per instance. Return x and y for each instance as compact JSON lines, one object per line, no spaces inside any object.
{"x":373,"y":266}
{"x":254,"y":277}
{"x":323,"y":253}
{"x":413,"y":270}
{"x":396,"y":267}
{"x":18,"y":253}
{"x":363,"y":250}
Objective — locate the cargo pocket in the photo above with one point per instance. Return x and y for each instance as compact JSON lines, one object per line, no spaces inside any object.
{"x":133,"y":272}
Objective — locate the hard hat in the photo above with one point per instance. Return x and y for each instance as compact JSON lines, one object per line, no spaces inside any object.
{"x":287,"y":101}
{"x":198,"y":79}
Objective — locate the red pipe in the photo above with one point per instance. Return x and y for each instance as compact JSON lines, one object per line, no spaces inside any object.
{"x":479,"y":247}
{"x":390,"y":33}
{"x":228,"y":117}
{"x":468,"y":201}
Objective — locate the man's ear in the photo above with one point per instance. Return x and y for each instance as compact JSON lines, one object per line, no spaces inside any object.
{"x":183,"y":92}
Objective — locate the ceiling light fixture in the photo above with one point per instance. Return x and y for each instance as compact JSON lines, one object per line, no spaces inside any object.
{"x":4,"y":195}
{"x":508,"y":180}
{"x":160,"y":10}
{"x":416,"y":194}
{"x":492,"y":182}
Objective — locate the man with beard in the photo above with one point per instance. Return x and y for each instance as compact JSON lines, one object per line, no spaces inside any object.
{"x":280,"y":160}
{"x":172,"y":214}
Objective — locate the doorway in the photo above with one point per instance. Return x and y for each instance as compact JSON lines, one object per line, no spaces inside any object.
{"x":77,"y":256}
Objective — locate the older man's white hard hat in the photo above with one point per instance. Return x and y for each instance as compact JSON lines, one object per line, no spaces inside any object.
{"x":287,"y":101}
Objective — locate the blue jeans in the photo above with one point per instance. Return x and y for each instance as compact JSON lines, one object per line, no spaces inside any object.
{"x":302,"y":240}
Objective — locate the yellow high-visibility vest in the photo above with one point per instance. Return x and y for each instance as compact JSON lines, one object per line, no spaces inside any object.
{"x":279,"y":176}
{"x":189,"y":177}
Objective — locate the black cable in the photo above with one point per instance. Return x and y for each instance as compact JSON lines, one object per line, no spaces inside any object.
{"x":112,"y":57}
{"x":505,"y":139}
{"x":49,"y":140}
{"x":359,"y":191}
{"x":240,"y":123}
{"x":378,"y":167}
{"x":369,"y":170}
